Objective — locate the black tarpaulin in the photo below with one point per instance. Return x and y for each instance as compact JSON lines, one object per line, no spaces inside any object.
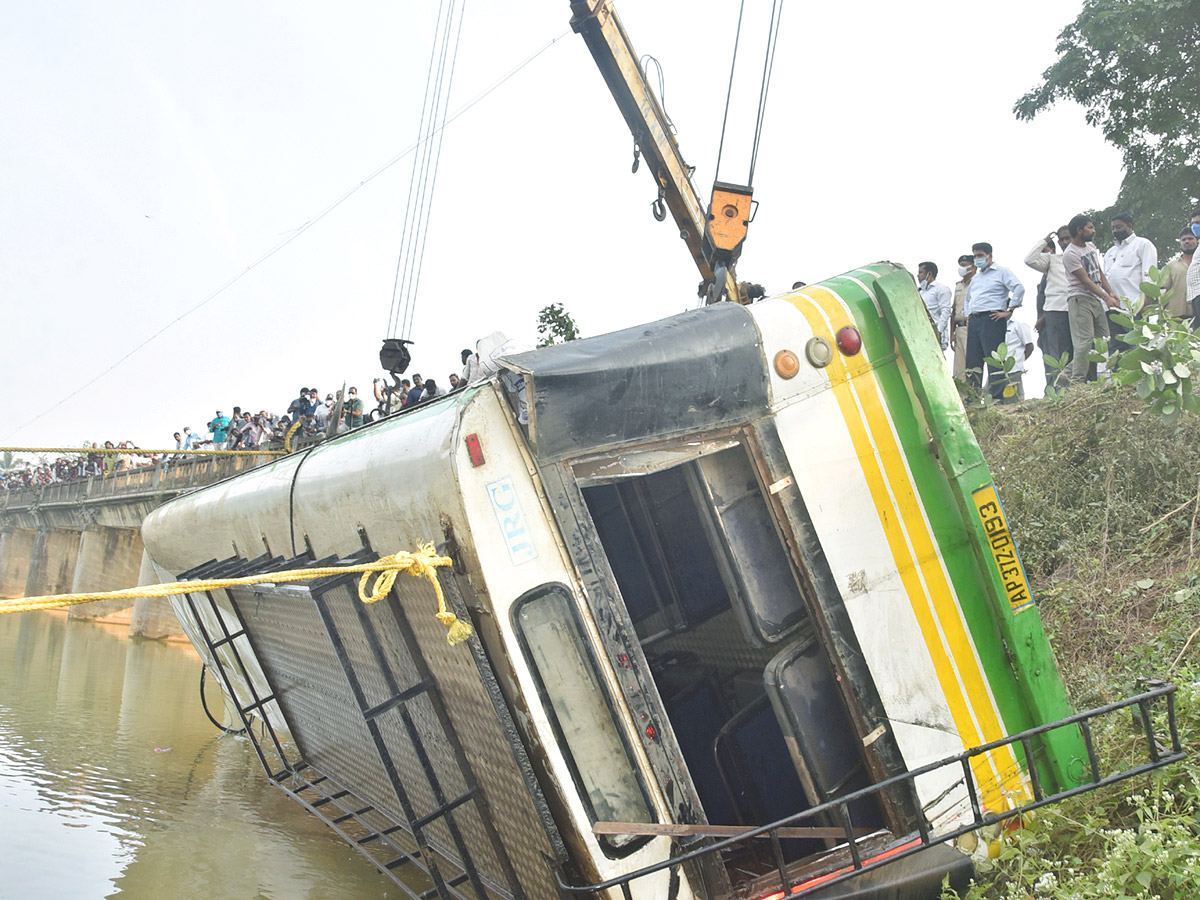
{"x":696,"y":371}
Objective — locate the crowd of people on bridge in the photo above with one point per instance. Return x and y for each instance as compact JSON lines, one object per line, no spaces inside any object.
{"x":84,"y":464}
{"x":307,"y":418}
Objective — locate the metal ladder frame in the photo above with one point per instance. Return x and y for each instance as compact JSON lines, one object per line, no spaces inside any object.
{"x":315,"y":794}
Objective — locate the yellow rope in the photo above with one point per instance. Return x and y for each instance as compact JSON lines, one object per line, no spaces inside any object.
{"x":422,"y":564}
{"x":287,"y":438}
{"x":138,"y":451}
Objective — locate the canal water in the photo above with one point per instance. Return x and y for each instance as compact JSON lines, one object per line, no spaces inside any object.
{"x":113,"y":783}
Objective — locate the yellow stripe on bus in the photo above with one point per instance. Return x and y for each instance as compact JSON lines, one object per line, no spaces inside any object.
{"x":919,"y":566}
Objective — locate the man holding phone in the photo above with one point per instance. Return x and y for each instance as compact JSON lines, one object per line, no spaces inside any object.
{"x":1054,"y":322}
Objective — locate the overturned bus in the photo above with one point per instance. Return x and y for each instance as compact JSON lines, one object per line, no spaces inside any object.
{"x":749,"y":619}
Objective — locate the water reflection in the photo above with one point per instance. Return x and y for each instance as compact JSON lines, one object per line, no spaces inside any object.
{"x":113,"y":782}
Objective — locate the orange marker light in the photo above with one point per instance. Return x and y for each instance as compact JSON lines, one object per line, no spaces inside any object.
{"x":786,"y":364}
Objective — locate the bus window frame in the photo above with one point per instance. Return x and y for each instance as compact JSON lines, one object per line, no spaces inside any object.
{"x":610,"y":849}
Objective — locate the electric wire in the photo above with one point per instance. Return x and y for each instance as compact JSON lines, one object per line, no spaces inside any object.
{"x":413,"y":175}
{"x":288,"y":240}
{"x":437,"y":160}
{"x":765,"y":86}
{"x":729,"y":91}
{"x":431,"y":176}
{"x":421,"y":165}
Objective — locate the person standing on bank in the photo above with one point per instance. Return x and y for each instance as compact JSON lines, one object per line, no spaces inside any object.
{"x":1054,"y":324}
{"x":1127,"y":264}
{"x":1088,"y":295}
{"x":1174,"y":295}
{"x":937,"y":298}
{"x":993,"y":294}
{"x":958,"y":319}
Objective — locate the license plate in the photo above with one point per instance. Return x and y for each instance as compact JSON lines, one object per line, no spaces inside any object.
{"x":1003,"y":548}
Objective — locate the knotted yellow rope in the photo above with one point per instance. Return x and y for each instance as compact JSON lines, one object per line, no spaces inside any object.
{"x":421,"y":564}
{"x":424,"y":563}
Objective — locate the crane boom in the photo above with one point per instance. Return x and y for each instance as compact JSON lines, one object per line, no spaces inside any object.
{"x":597,"y":22}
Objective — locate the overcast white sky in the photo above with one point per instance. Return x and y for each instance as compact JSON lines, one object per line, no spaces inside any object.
{"x":151,"y":152}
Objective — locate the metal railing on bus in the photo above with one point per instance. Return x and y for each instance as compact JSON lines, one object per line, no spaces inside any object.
{"x":843,"y":868}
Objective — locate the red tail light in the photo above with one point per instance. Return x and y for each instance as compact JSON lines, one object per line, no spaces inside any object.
{"x":849,"y":341}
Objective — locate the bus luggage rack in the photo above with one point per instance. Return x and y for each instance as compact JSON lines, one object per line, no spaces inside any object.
{"x":848,"y":859}
{"x":400,"y":846}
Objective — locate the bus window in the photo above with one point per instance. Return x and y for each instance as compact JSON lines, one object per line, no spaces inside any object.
{"x":581,"y":714}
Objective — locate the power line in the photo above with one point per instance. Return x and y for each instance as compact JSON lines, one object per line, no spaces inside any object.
{"x":413,"y":243}
{"x":432,"y":185}
{"x":413,"y":177}
{"x":295,"y":234}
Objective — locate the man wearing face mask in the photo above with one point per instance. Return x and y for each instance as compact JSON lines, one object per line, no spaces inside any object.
{"x":1193,"y":276}
{"x":966,"y":269}
{"x":1054,"y":324}
{"x":1127,"y":264}
{"x":993,"y":294}
{"x":354,"y":409}
{"x":323,"y":412}
{"x":937,"y":300}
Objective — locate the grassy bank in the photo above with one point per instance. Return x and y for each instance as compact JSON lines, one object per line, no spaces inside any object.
{"x":1104,"y":499}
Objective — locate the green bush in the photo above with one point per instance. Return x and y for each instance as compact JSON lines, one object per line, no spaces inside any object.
{"x":1102,"y":496}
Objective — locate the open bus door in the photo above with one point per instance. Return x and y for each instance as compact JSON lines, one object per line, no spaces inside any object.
{"x":763,"y":719}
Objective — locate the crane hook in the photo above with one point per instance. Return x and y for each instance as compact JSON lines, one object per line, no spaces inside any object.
{"x":659,"y":208}
{"x":637,"y":151}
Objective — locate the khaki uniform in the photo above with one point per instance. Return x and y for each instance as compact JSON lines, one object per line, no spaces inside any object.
{"x":958,"y":322}
{"x":1175,"y":297}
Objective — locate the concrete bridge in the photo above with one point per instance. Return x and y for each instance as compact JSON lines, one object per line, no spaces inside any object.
{"x":85,"y":535}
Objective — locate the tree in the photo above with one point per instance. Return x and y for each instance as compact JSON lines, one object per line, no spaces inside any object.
{"x":1130,"y":65}
{"x":556,"y":325}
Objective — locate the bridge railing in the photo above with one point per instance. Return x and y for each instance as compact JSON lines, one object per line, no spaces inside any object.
{"x":168,"y":476}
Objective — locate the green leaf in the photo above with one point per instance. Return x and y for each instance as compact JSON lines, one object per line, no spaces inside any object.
{"x":1145,"y":584}
{"x":1181,"y":370}
{"x":1144,"y":389}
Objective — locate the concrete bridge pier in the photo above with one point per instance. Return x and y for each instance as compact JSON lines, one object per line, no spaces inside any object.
{"x":152,"y":616}
{"x":52,"y":562}
{"x":16,"y":556}
{"x":108,"y":559}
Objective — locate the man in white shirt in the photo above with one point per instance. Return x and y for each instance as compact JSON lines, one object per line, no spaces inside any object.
{"x":1054,"y":323}
{"x":323,"y":412}
{"x":938,"y":300}
{"x":1019,"y":340}
{"x":1127,"y":264}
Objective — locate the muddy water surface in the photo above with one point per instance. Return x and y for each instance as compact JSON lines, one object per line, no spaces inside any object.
{"x":113,"y":783}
